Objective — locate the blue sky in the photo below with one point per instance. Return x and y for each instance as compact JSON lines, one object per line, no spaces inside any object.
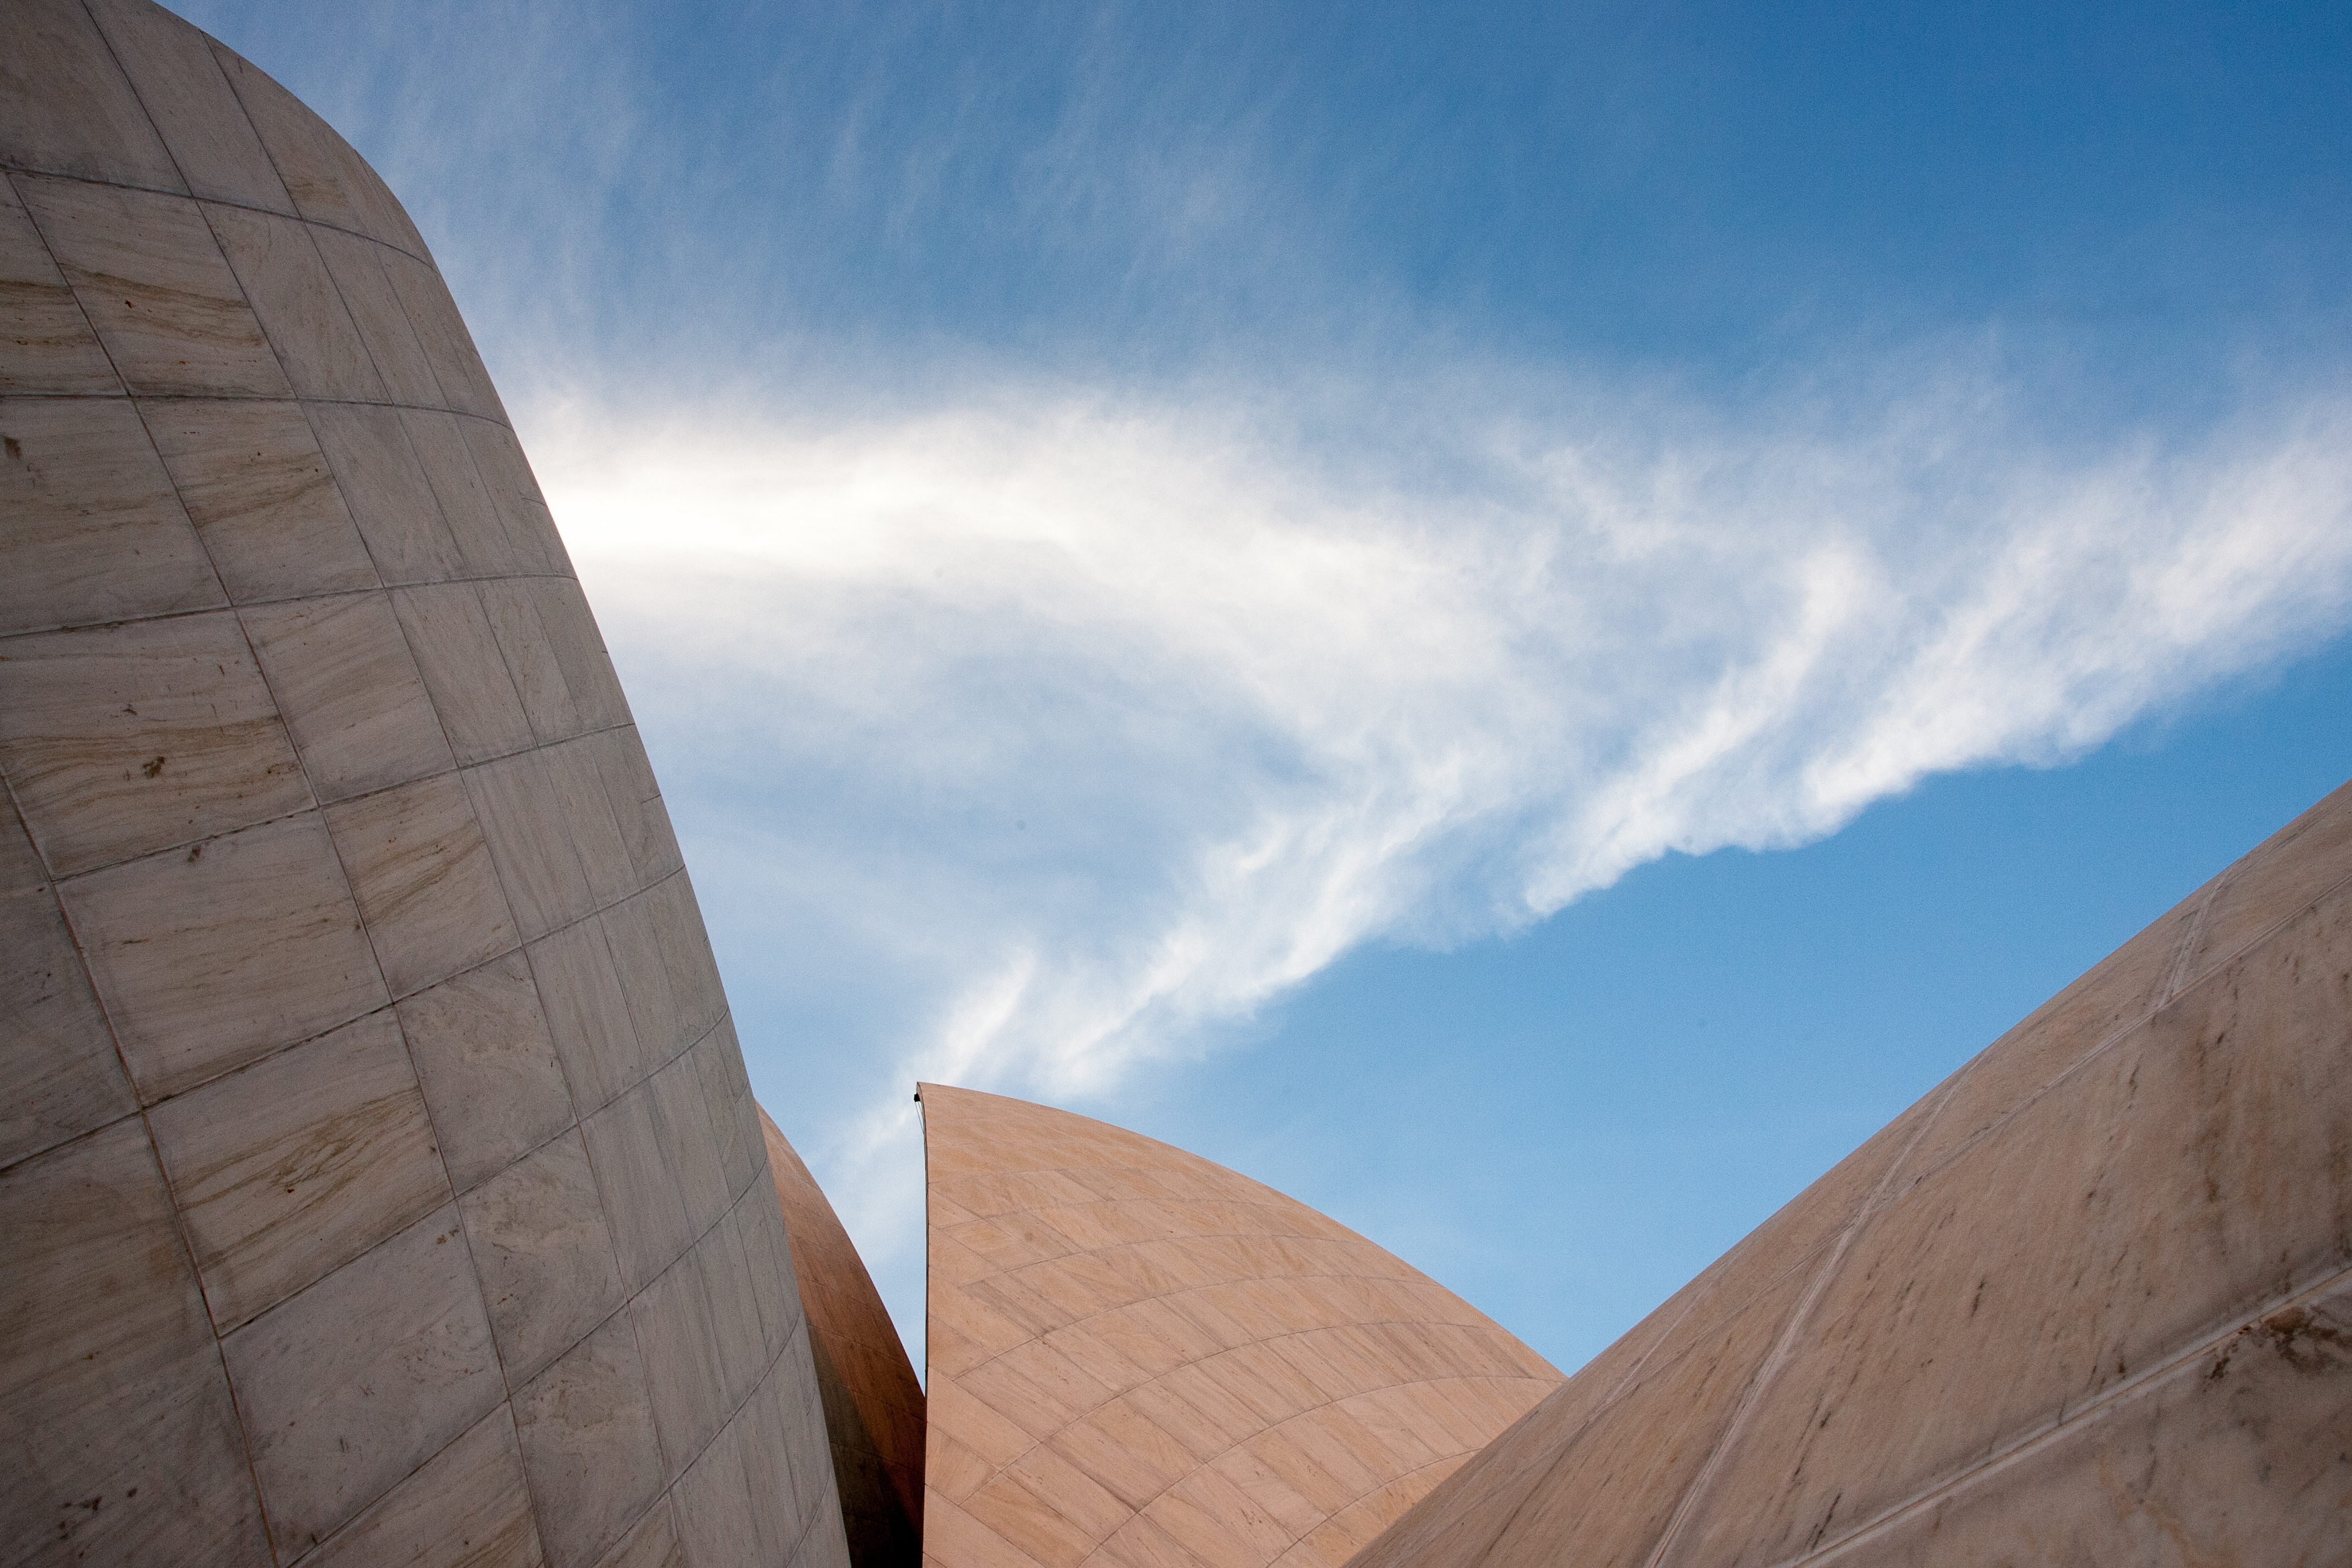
{"x":1523,"y":622}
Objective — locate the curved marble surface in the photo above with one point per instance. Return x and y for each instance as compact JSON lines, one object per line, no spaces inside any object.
{"x":2088,"y":1302}
{"x":1140,"y":1358}
{"x":379,"y":1180}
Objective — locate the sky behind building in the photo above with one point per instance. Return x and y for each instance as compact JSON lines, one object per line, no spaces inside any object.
{"x":1522,"y":624}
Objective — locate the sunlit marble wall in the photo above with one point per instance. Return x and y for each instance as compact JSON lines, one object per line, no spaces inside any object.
{"x":379,"y":1180}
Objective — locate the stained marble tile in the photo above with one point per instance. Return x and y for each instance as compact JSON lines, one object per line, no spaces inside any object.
{"x":57,"y":1055}
{"x":690,"y":1142}
{"x":2273,"y":884}
{"x":522,"y":817}
{"x":588,"y":1439}
{"x":488,"y":1067}
{"x":2238,"y":1456}
{"x":263,"y":500}
{"x":329,"y":182}
{"x":545,"y":1257}
{"x":209,"y":957}
{"x":349,"y":692}
{"x":743,"y":1355}
{"x":587,"y":1015}
{"x":390,"y":499}
{"x":424,"y":881}
{"x":693,"y":970}
{"x":456,"y":366}
{"x":188,"y":99}
{"x":290,"y":1168}
{"x":466,"y":501}
{"x":124,"y":739}
{"x":352,"y":1384}
{"x":301,"y":310}
{"x":718,"y":1062}
{"x":48,"y":345}
{"x":56,"y":55}
{"x":588,"y":677}
{"x":647,"y":1211}
{"x":458,"y":655}
{"x":468,"y":1507}
{"x":122,"y":1440}
{"x":94,"y":531}
{"x":151,"y":279}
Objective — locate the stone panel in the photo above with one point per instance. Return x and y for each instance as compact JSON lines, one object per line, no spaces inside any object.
{"x":301,"y":311}
{"x":1295,"y":1388}
{"x":349,"y":692}
{"x":94,"y":532}
{"x":181,"y":85}
{"x":151,"y":277}
{"x":357,"y":1381}
{"x":468,"y":1507}
{"x":120,"y":1436}
{"x":258,"y":488}
{"x":588,"y":1439}
{"x":489,"y":1068}
{"x":422,"y":879}
{"x":57,"y":1055}
{"x":120,"y":739}
{"x":209,"y":957}
{"x":545,"y":1257}
{"x":49,"y":346}
{"x":56,"y":56}
{"x":286,"y":1170}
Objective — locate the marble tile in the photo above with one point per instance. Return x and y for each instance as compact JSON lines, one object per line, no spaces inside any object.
{"x":151,"y":279}
{"x":54,"y":56}
{"x":450,"y":634}
{"x":718,"y":1062}
{"x":693,"y":969}
{"x":124,"y":739}
{"x":210,"y":957}
{"x":575,"y":769}
{"x":353,"y":1385}
{"x":530,"y":655}
{"x":456,"y":366}
{"x":743,"y":1357}
{"x":48,"y":345}
{"x":487,"y":1068}
{"x":468,"y":1507}
{"x":122,"y":1440}
{"x":588,"y":1442}
{"x":545,"y":1257}
{"x":466,"y":501}
{"x":94,"y":532}
{"x":350,"y":694}
{"x":522,"y":817}
{"x":301,"y":310}
{"x":683,"y":1362}
{"x":570,"y":629}
{"x":2164,"y":1189}
{"x":718,"y":1523}
{"x":357,"y":267}
{"x":522,"y":506}
{"x":2276,"y":882}
{"x":187,"y":98}
{"x":2235,"y":1457}
{"x":57,"y":1055}
{"x":263,"y":500}
{"x":651,"y":1543}
{"x":389,"y":496}
{"x":689,"y":1142}
{"x":662,"y":1031}
{"x":587,"y":1015}
{"x":330,"y":182}
{"x":635,"y":801}
{"x":288,"y":1169}
{"x":642,"y":1200}
{"x":422,"y":879}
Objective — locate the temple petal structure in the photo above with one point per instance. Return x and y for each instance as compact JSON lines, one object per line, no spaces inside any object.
{"x":381,"y":1181}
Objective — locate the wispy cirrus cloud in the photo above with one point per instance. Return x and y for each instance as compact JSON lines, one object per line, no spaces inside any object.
{"x":1045,"y":732}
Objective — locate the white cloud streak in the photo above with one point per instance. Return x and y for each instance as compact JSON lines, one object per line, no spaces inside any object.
{"x":1056,"y":731}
